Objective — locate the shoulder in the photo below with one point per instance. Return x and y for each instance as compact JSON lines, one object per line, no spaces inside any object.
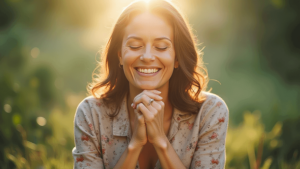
{"x":213,"y":101}
{"x":214,"y":107}
{"x":89,"y":103}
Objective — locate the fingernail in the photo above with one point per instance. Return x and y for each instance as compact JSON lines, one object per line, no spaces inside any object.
{"x":132,"y":105}
{"x":159,"y":91}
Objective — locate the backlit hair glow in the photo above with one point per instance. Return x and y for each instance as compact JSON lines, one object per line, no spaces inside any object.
{"x":186,"y":82}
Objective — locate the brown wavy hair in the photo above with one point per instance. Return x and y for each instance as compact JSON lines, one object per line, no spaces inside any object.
{"x":187,"y":81}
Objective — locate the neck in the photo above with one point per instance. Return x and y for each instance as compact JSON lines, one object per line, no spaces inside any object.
{"x":133,"y":92}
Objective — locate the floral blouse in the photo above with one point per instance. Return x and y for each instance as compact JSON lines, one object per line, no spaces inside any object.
{"x":198,"y":139}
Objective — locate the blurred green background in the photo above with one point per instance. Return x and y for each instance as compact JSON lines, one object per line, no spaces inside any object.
{"x":48,"y":50}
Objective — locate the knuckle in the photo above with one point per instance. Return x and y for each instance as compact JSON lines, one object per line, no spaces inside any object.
{"x":151,"y":118}
{"x":138,"y":106}
{"x":134,"y":100}
{"x":144,"y":97}
{"x":162,"y":103}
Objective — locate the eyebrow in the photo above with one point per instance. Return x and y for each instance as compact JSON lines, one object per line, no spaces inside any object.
{"x":162,"y":38}
{"x":134,"y":37}
{"x":156,"y":39}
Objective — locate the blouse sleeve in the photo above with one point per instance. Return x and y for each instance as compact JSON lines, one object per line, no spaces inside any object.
{"x":86,"y":152}
{"x":210,"y":149}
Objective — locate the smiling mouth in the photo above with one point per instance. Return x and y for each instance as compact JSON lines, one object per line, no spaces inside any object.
{"x":148,"y":71}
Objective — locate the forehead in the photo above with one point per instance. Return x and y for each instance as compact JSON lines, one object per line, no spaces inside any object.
{"x":148,"y":26}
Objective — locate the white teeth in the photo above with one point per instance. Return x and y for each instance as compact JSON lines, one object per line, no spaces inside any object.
{"x":147,"y":70}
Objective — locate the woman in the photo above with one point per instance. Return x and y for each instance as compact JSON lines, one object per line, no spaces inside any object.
{"x":149,"y":107}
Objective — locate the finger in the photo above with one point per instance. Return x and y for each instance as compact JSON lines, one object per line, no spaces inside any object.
{"x":145,"y":98}
{"x":154,"y":91}
{"x":149,"y":112}
{"x":137,"y":110}
{"x":161,"y":103}
{"x":140,"y":116}
{"x":156,"y":106}
{"x":159,"y":107}
{"x":152,"y":94}
{"x":145,"y":111}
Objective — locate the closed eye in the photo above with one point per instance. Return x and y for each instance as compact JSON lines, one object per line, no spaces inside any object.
{"x":161,"y":48}
{"x":135,"y":47}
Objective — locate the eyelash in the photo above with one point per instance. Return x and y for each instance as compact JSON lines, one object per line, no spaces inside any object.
{"x":134,"y":47}
{"x":161,"y":49}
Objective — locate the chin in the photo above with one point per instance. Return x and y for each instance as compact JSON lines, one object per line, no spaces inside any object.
{"x":148,"y":86}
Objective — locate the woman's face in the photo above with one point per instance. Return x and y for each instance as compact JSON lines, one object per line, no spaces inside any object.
{"x":148,"y":55}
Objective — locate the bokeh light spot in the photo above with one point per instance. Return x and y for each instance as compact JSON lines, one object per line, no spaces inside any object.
{"x":41,"y":121}
{"x":35,"y":52}
{"x":16,"y":119}
{"x":7,"y":108}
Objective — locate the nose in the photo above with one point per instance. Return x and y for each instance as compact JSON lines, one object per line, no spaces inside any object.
{"x":148,"y":55}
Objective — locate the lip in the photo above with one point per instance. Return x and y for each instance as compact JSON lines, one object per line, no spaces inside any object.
{"x":147,"y":67}
{"x":147,"y":74}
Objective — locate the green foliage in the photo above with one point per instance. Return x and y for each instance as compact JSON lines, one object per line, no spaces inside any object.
{"x":287,"y":150}
{"x":250,"y":146}
{"x":46,"y":60}
{"x":280,"y":38}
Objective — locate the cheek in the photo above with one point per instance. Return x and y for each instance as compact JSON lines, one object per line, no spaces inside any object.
{"x":168,"y":60}
{"x":128,"y":57}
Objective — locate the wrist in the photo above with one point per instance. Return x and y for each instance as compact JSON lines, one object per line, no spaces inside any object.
{"x":161,"y":144}
{"x":132,"y":146}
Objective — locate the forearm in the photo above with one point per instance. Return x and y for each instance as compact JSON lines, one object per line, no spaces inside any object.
{"x":167,"y":156}
{"x":129,"y":157}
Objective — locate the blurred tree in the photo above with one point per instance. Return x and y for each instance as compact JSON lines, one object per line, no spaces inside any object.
{"x":6,"y":15}
{"x":21,"y":96}
{"x":280,"y":38}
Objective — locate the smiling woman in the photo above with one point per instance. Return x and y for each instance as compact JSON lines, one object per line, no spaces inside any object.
{"x":147,"y":45}
{"x":149,"y":107}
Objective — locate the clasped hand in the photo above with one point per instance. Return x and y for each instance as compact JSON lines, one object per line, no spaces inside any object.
{"x":150,"y":117}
